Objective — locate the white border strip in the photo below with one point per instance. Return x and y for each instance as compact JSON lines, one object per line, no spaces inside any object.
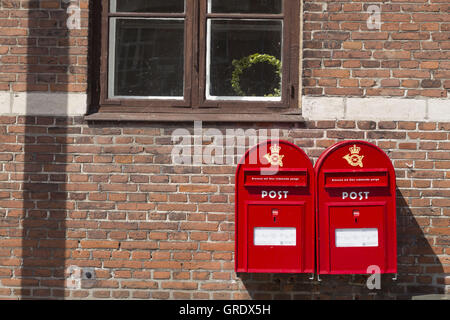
{"x":314,"y":108}
{"x":379,"y":108}
{"x":43,"y":103}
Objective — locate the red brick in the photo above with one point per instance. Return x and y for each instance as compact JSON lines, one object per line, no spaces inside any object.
{"x":13,"y":31}
{"x":331,"y":73}
{"x":197,"y":188}
{"x":99,"y":244}
{"x":139,"y":284}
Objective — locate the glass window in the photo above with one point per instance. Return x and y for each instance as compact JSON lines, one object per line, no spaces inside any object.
{"x":245,"y":6}
{"x":162,"y":6}
{"x":244,"y":59}
{"x":144,"y":62}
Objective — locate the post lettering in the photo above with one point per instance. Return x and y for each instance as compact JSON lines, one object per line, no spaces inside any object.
{"x":272,"y":194}
{"x":362,"y":195}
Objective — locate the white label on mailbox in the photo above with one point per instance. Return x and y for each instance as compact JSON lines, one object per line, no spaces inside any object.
{"x":274,"y":236}
{"x":367,"y":237}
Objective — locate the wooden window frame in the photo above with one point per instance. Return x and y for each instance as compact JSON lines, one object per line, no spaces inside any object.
{"x":195,"y":106}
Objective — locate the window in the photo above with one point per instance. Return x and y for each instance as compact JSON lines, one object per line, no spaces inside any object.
{"x":199,"y":57}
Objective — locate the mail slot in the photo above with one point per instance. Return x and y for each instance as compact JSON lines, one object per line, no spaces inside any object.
{"x":355,"y":210}
{"x":274,"y":212}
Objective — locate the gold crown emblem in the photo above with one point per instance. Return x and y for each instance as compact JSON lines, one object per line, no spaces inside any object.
{"x":274,"y":157}
{"x":275,"y":149}
{"x":353,"y":158}
{"x":354,"y":149}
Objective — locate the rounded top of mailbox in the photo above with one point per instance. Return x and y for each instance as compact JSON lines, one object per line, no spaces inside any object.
{"x":354,"y":155}
{"x":275,"y":153}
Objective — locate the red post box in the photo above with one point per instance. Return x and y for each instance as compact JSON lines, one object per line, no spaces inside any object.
{"x":355,"y":210}
{"x":274,"y":210}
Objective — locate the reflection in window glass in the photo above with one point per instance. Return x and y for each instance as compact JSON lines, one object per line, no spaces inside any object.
{"x":163,"y":6}
{"x":245,"y":6}
{"x":249,"y":50}
{"x":145,"y":62}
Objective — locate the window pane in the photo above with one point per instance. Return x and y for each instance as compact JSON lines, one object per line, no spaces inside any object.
{"x":149,"y":57}
{"x":245,"y":6}
{"x":253,"y":47}
{"x":165,"y":6}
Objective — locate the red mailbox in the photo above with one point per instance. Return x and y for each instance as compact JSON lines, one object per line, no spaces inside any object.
{"x":274,"y":210}
{"x":355,"y":210}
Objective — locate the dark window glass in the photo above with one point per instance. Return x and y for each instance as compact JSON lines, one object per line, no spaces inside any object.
{"x":149,"y":57}
{"x":164,"y":6}
{"x":234,"y":44}
{"x":245,"y":6}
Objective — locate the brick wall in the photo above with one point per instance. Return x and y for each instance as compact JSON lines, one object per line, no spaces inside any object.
{"x":106,"y":196}
{"x":407,"y":57}
{"x":38,"y":52}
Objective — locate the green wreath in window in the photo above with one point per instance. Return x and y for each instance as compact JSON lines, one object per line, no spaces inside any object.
{"x":241,"y":65}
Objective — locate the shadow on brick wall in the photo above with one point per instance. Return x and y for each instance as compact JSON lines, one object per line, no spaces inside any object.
{"x":47,"y":188}
{"x":45,"y":198}
{"x":419,"y":272}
